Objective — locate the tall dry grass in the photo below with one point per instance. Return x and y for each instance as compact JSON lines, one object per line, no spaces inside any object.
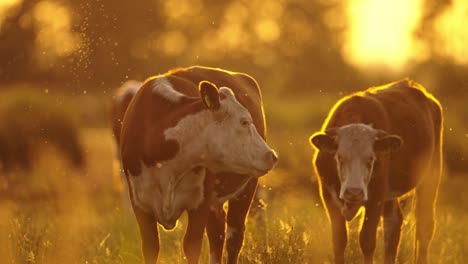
{"x":67,"y":216}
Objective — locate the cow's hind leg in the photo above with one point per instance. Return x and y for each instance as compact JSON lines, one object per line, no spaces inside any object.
{"x":236,"y":218}
{"x":393,"y":219}
{"x":216,"y":233}
{"x":426,"y":195}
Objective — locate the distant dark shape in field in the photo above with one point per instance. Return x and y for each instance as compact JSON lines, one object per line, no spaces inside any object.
{"x":25,"y":126}
{"x":187,"y":145}
{"x":375,"y":147}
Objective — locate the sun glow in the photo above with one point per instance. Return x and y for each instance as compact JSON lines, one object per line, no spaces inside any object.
{"x":8,"y":9}
{"x":55,"y":37}
{"x":381,"y":32}
{"x":451,"y":27}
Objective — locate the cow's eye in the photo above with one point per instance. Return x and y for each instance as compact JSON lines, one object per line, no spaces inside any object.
{"x":245,"y":122}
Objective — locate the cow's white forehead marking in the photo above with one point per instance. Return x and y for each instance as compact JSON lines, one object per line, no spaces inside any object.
{"x":129,"y":87}
{"x":162,"y":86}
{"x":356,"y":131}
{"x":356,"y":139}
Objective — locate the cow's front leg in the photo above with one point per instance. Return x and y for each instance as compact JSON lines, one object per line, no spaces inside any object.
{"x":194,"y":235}
{"x":149,"y":235}
{"x":215,"y":230}
{"x":236,"y":218}
{"x":338,"y":224}
{"x":367,"y":236}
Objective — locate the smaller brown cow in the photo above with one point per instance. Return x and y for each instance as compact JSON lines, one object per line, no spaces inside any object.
{"x":375,"y":147}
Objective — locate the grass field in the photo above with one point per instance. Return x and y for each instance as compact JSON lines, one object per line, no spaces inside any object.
{"x":57,"y":215}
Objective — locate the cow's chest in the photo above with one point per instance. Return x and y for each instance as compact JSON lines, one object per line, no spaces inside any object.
{"x":167,"y":195}
{"x":228,"y":186}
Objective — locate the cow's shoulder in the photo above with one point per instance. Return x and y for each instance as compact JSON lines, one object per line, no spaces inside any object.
{"x":407,"y":97}
{"x":359,"y":107}
{"x":403,"y":91}
{"x":149,"y":114}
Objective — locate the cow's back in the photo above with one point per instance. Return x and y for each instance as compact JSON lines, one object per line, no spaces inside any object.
{"x":403,"y":108}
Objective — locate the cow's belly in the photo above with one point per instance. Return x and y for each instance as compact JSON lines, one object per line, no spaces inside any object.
{"x":400,"y":186}
{"x":395,"y":194}
{"x":406,"y":174}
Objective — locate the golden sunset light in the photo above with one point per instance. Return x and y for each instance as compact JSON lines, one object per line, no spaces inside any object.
{"x":7,"y":8}
{"x":380,"y":33}
{"x":452,"y":27}
{"x":55,"y":38}
{"x":244,"y":131}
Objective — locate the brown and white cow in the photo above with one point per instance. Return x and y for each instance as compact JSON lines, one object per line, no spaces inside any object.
{"x":376,"y":146}
{"x":187,"y":145}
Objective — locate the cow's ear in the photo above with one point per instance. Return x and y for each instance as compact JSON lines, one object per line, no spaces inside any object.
{"x":209,"y":94}
{"x":324,"y":142}
{"x":387,"y":143}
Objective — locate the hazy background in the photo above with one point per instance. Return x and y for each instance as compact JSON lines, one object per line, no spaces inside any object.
{"x":306,"y":54}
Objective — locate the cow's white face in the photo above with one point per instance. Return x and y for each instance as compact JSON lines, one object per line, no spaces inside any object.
{"x":223,"y":136}
{"x":233,"y":141}
{"x":355,"y":148}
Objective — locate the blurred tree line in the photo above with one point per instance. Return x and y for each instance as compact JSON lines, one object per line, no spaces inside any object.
{"x":291,"y":46}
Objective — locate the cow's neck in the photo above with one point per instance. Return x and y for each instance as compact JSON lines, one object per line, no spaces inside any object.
{"x":192,"y":135}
